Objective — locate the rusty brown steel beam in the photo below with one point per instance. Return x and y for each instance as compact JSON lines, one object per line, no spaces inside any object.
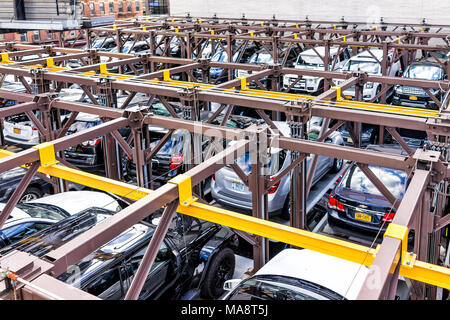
{"x":79,"y":247}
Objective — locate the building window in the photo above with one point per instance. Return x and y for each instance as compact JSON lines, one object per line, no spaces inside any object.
{"x":36,"y":35}
{"x":138,"y":6}
{"x":111,"y":7}
{"x":120,"y":6}
{"x":49,"y":35}
{"x":129,"y":6}
{"x":91,"y":8}
{"x":158,"y":7}
{"x":102,"y":7}
{"x":23,"y":37}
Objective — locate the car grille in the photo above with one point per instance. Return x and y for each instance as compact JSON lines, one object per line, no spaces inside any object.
{"x":413,"y":91}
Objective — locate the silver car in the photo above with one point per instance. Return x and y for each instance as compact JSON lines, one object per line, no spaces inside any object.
{"x":229,"y":190}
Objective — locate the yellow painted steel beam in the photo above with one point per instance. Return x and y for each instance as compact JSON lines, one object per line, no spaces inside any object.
{"x":91,"y":180}
{"x":420,"y":271}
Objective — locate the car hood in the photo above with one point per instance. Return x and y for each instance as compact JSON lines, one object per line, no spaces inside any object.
{"x":344,"y":277}
{"x":76,"y":201}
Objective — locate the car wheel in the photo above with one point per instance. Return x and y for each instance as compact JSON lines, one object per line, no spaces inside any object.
{"x":220,"y":270}
{"x":31,"y":193}
{"x":337,"y":165}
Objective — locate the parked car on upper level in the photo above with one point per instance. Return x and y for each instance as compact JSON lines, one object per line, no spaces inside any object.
{"x":33,"y":216}
{"x":195,"y":255}
{"x":302,"y":274}
{"x":369,"y":62}
{"x":229,"y":190}
{"x":263,"y":57}
{"x":426,"y":69}
{"x":311,"y":59}
{"x":104,"y":44}
{"x":355,"y":203}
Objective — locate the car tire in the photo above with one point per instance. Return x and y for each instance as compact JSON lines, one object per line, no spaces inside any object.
{"x":221,"y":269}
{"x":31,"y":193}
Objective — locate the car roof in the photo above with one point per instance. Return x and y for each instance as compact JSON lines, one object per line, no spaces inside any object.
{"x":365,"y":55}
{"x":344,"y":277}
{"x":76,"y":201}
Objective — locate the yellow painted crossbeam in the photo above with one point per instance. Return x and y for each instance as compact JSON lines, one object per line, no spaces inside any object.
{"x":420,"y":271}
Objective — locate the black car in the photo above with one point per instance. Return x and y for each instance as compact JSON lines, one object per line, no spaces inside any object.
{"x":9,"y":180}
{"x":417,"y":97}
{"x":194,"y":254}
{"x":355,"y":203}
{"x":173,"y":157}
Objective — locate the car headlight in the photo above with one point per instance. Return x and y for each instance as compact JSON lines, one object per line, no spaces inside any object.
{"x":398,"y":89}
{"x":311,"y":81}
{"x":369,"y":85}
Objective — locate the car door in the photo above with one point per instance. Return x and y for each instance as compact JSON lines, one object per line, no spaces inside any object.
{"x":157,"y":276}
{"x":21,"y":230}
{"x":107,"y":285}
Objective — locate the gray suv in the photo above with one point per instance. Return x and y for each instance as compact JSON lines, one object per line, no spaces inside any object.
{"x":229,"y":190}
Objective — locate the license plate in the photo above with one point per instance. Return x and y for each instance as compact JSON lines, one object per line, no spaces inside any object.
{"x":412,"y":98}
{"x":349,"y":97}
{"x":15,"y":130}
{"x":363,"y":217}
{"x":349,"y":140}
{"x":235,"y":185}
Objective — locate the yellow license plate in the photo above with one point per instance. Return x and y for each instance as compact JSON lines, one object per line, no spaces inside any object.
{"x":349,"y":97}
{"x":363,"y":216}
{"x":15,"y":130}
{"x":412,"y":98}
{"x":349,"y":140}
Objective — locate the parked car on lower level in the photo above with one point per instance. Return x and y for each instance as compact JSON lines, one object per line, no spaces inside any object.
{"x":229,"y":190}
{"x":417,"y":97}
{"x":355,"y":203}
{"x":195,"y":254}
{"x":33,"y":216}
{"x":302,"y":274}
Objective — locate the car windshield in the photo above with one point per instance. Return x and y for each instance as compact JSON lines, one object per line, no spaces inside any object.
{"x":281,"y":288}
{"x":310,"y":60}
{"x":261,"y":58}
{"x":424,"y":72}
{"x":394,"y":180}
{"x":97,"y":43}
{"x":365,"y":66}
{"x":173,"y":146}
{"x":220,"y":56}
{"x":59,"y":233}
{"x":40,"y":211}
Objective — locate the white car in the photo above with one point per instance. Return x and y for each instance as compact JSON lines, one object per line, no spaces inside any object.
{"x":33,"y":216}
{"x":366,"y":62}
{"x":309,"y":60}
{"x":301,"y":274}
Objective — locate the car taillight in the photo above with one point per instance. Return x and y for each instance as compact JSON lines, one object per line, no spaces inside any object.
{"x":85,"y":143}
{"x":213,"y":176}
{"x":388,"y":216}
{"x":176,"y":161}
{"x":274,"y":187}
{"x":34,"y":128}
{"x":335,"y":204}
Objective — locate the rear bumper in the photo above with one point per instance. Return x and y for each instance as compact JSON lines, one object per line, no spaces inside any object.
{"x":334,"y":218}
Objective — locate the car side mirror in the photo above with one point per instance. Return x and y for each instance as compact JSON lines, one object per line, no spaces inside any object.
{"x":231,"y":284}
